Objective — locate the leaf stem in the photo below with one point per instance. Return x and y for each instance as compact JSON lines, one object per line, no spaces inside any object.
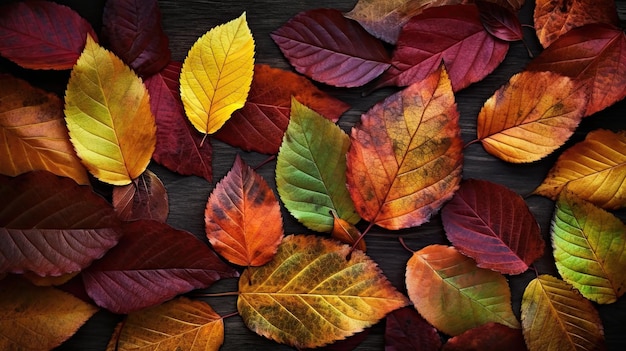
{"x":232,"y":314}
{"x":203,"y":139}
{"x":266,"y":161}
{"x":470,"y":143}
{"x":359,"y":239}
{"x":401,"y":240}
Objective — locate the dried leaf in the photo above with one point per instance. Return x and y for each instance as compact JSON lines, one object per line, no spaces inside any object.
{"x":216,"y":75}
{"x":242,"y":217}
{"x":531,"y":116}
{"x":144,"y":198}
{"x":405,"y":157}
{"x":490,"y":336}
{"x":453,"y":294}
{"x":500,"y":21}
{"x":406,"y":330}
{"x":310,"y":295}
{"x":33,"y":135}
{"x":107,"y":111}
{"x":324,"y":45}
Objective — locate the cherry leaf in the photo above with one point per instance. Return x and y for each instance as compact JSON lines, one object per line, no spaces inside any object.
{"x":406,"y":330}
{"x":499,"y":21}
{"x":144,"y":198}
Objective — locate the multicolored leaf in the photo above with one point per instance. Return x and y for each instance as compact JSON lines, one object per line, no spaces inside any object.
{"x":310,"y":294}
{"x":589,"y":248}
{"x":107,"y":111}
{"x":406,"y":330}
{"x":489,"y":336}
{"x":347,"y":233}
{"x":144,"y":198}
{"x":405,"y":156}
{"x":453,"y":294}
{"x":216,"y":75}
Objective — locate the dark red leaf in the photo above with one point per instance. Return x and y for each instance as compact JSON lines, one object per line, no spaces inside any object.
{"x":259,"y":126}
{"x":144,"y":198}
{"x":490,"y":336}
{"x":406,"y":330}
{"x":179,"y":146}
{"x":42,"y":34}
{"x":329,"y":48}
{"x":499,"y":21}
{"x":152,"y":263}
{"x":132,"y":29}
{"x":444,"y":33}
{"x":494,"y":226}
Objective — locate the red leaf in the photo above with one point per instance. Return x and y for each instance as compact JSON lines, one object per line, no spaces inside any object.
{"x":152,"y":263}
{"x":406,"y":330}
{"x":444,"y":33}
{"x":259,"y":126}
{"x":144,"y":198}
{"x":42,"y":34}
{"x":499,"y":21}
{"x":490,"y":336}
{"x":493,"y":225}
{"x":132,"y":30}
{"x":327,"y":47}
{"x":179,"y":146}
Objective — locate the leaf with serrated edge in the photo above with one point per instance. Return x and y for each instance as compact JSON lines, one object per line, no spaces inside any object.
{"x":310,"y":295}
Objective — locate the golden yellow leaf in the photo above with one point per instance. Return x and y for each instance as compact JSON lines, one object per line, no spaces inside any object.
{"x":216,"y":75}
{"x":107,"y":110}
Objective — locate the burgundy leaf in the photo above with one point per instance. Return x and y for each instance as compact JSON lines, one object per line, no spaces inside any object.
{"x":406,"y":330}
{"x":444,"y":33}
{"x":259,"y":126}
{"x":327,"y":47}
{"x":490,"y":336}
{"x":42,"y":34}
{"x":132,"y":29}
{"x":499,"y":21}
{"x":152,"y":263}
{"x":179,"y":146}
{"x":494,"y":226}
{"x":144,"y":198}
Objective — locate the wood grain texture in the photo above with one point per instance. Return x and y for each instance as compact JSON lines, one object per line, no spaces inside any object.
{"x":186,"y":20}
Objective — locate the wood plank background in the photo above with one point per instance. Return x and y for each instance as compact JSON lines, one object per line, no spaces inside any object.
{"x":185,"y":21}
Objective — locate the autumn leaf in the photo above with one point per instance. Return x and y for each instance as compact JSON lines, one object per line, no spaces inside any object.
{"x":555,"y":18}
{"x":216,"y":75}
{"x":310,"y":170}
{"x":179,"y":147}
{"x":442,"y":34}
{"x":406,"y":330}
{"x":489,"y":336}
{"x":55,"y":42}
{"x":324,"y":45}
{"x":152,"y":263}
{"x":594,"y":169}
{"x":453,"y":294}
{"x":347,"y":233}
{"x":589,"y":248}
{"x":556,"y":317}
{"x":38,"y":318}
{"x":500,"y":21}
{"x":260,"y":125}
{"x":174,"y":325}
{"x":242,"y":217}
{"x":33,"y":135}
{"x":132,"y":29}
{"x":405,"y":156}
{"x":144,"y":198}
{"x":310,"y":295}
{"x":595,"y":57}
{"x":107,"y":111}
{"x":494,"y":226}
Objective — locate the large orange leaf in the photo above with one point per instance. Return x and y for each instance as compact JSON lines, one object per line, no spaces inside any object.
{"x":310,"y":294}
{"x":216,"y":75}
{"x":531,"y":116}
{"x":594,"y":169}
{"x":556,"y":317}
{"x":107,"y":110}
{"x":405,"y":158}
{"x":33,"y":135}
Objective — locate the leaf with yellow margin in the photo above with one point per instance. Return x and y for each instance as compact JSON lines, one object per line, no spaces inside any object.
{"x":310,"y":294}
{"x":216,"y":75}
{"x":107,"y":111}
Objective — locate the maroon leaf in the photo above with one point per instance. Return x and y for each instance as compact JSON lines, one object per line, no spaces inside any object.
{"x":152,"y":263}
{"x":490,"y":336}
{"x":493,"y":225}
{"x":132,"y":29}
{"x":179,"y":146}
{"x":259,"y":126}
{"x":327,"y":47}
{"x":144,"y":198}
{"x":444,"y":33}
{"x":42,"y":34}
{"x":499,"y":21}
{"x":406,"y":330}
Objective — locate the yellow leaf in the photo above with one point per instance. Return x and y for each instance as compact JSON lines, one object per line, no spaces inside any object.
{"x":107,"y":111}
{"x":216,"y":75}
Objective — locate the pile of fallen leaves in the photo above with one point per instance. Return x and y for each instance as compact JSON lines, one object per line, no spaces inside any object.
{"x":66,"y":251}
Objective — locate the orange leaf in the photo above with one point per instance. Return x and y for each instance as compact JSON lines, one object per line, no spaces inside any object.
{"x":346,"y":233}
{"x":405,"y":158}
{"x":243,"y":220}
{"x":531,"y":116}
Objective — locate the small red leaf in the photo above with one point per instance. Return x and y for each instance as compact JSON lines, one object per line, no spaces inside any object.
{"x":406,"y":330}
{"x":490,"y":336}
{"x":327,"y":47}
{"x":144,"y":198}
{"x":42,"y":34}
{"x":499,"y":21}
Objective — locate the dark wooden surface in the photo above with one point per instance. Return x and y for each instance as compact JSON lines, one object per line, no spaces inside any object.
{"x":186,"y":20}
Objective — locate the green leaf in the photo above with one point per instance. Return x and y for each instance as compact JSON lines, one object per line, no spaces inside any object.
{"x":311,"y":170}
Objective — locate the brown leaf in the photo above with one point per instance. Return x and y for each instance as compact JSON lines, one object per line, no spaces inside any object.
{"x":144,"y":198}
